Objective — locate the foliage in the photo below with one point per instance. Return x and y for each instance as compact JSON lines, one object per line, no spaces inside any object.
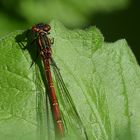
{"x":72,"y":13}
{"x":102,"y":78}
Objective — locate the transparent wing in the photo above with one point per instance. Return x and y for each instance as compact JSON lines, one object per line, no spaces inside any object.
{"x":73,"y":117}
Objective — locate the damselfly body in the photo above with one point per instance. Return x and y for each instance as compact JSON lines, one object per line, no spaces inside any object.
{"x":44,"y":44}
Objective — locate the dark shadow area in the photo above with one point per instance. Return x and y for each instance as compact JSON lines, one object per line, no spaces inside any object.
{"x":28,"y":38}
{"x":120,"y":25}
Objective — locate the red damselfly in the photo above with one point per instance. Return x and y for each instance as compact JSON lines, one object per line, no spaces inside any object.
{"x":44,"y":44}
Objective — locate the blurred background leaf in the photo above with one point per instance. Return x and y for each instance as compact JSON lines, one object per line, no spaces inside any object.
{"x":116,"y":19}
{"x":72,"y":13}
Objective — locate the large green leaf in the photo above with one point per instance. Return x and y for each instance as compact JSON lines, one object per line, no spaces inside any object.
{"x":102,"y":79}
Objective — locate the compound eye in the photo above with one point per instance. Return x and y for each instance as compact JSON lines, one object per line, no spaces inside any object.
{"x":40,"y":25}
{"x":47,"y":28}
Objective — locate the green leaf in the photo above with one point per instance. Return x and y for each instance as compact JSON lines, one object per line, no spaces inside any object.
{"x":102,"y":79}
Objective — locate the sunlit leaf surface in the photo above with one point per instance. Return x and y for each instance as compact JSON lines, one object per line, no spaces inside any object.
{"x":103,"y":80}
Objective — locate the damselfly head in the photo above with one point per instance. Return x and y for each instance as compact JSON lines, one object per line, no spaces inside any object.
{"x":41,"y":27}
{"x":44,"y":27}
